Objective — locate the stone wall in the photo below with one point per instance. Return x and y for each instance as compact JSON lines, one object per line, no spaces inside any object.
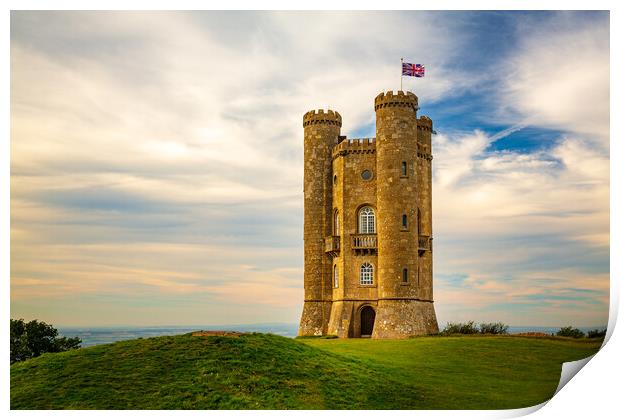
{"x":333,"y":183}
{"x":403,"y":318}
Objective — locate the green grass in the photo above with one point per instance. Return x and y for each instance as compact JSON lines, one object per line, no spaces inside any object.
{"x":261,"y":371}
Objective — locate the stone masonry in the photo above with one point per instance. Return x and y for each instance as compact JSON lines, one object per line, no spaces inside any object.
{"x":368,"y":225}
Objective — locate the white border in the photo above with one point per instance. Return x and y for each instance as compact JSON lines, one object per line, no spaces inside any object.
{"x":592,"y":394}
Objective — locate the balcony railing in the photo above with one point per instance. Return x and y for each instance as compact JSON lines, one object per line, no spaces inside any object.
{"x":424,"y":243}
{"x":332,"y":245}
{"x":364,"y":241}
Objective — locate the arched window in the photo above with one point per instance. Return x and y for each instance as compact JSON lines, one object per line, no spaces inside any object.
{"x":335,"y":276}
{"x":403,"y":168}
{"x":366,"y":274}
{"x":336,"y":223}
{"x":366,"y":220}
{"x":404,"y":221}
{"x":405,"y":275}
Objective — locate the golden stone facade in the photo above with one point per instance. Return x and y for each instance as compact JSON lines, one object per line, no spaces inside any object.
{"x":368,"y":257}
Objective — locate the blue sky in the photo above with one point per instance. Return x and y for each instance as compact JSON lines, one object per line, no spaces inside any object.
{"x":156,"y":159}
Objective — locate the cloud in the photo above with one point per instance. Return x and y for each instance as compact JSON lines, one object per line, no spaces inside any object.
{"x":156,"y":158}
{"x":559,"y":75}
{"x":531,"y":229}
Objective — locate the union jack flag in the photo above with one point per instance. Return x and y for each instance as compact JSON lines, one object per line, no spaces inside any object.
{"x":415,"y":70}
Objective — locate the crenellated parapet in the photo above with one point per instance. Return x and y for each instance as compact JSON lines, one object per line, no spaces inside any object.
{"x":398,"y":99}
{"x":423,"y":152}
{"x":425,"y":124}
{"x":320,"y":116}
{"x":354,"y":146}
{"x":425,"y":130}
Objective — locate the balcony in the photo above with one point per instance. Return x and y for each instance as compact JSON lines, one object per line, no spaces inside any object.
{"x":364,"y":244}
{"x":332,"y":245}
{"x":424,"y":244}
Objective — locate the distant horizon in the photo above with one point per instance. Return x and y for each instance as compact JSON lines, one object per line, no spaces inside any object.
{"x":92,"y":336}
{"x":286,"y":324}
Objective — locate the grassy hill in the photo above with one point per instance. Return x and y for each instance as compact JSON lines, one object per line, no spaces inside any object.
{"x":260,"y":371}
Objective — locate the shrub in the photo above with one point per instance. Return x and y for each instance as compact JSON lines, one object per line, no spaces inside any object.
{"x":471,"y":328}
{"x":570,"y":332}
{"x":458,"y":328}
{"x":31,"y":339}
{"x":493,"y":328}
{"x":597,"y":333}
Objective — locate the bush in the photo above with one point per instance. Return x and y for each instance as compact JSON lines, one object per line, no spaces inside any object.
{"x":471,"y":328}
{"x":464,"y":328}
{"x":31,"y":339}
{"x":597,"y":334}
{"x":570,"y":332}
{"x":493,"y":328}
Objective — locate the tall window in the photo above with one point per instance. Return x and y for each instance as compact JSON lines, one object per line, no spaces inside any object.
{"x":367,"y":220}
{"x":366,"y":274}
{"x":405,"y":275}
{"x":335,"y":276}
{"x":404,"y":221}
{"x":336,"y":223}
{"x":403,"y":168}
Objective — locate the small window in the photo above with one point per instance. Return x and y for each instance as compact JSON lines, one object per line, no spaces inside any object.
{"x":366,"y":175}
{"x":404,"y":221}
{"x":366,"y":274}
{"x":403,"y":169}
{"x":335,"y":179}
{"x":336,"y":223}
{"x":405,"y":275}
{"x":335,"y":276}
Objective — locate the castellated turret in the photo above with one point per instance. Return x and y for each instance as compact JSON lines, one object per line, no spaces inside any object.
{"x":368,"y":225}
{"x":321,"y":133}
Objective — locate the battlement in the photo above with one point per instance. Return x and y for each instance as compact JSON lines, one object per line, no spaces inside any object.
{"x":424,"y":152}
{"x":425,"y":123}
{"x":398,"y":99}
{"x":347,"y":146}
{"x":321,"y":116}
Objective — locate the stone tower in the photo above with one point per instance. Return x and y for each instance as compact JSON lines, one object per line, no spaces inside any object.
{"x":367,"y":225}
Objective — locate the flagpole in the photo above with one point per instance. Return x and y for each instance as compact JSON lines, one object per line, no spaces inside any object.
{"x":401,"y":74}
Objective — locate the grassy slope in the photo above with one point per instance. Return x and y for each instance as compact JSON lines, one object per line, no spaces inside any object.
{"x":470,"y":372}
{"x":266,"y":371}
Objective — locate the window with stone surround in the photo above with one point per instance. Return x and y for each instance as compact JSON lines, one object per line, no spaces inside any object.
{"x":405,"y":275}
{"x":366,"y":220}
{"x":403,"y":169}
{"x":336,"y":223}
{"x":366,"y":274}
{"x":335,"y":276}
{"x":404,"y":221}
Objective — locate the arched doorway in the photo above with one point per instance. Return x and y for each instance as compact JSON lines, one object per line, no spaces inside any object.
{"x":367,"y":321}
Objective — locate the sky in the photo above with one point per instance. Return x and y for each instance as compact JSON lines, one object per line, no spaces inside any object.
{"x":157,"y":159}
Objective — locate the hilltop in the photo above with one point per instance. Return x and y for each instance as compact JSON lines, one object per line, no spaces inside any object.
{"x":264,"y":371}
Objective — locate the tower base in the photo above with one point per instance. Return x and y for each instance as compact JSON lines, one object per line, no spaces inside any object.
{"x":314,"y":318}
{"x":404,"y":318}
{"x":341,"y":319}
